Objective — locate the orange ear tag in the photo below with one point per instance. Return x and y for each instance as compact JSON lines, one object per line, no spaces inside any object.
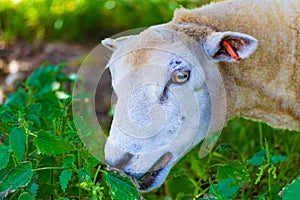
{"x":230,"y":50}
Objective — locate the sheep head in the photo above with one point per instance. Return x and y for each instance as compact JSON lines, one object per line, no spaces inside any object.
{"x":166,"y":94}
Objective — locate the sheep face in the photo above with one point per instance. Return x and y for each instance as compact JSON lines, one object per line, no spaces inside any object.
{"x":164,"y":105}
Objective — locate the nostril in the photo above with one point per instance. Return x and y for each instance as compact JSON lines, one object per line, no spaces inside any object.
{"x":119,"y":164}
{"x":114,"y":156}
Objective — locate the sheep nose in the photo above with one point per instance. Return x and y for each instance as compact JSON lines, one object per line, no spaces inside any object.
{"x":115,"y":157}
{"x":120,"y":163}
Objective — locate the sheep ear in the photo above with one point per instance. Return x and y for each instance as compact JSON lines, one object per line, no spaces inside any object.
{"x":229,"y":46}
{"x":113,"y":44}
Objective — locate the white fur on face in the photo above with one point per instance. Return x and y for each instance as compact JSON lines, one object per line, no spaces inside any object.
{"x":145,"y":128}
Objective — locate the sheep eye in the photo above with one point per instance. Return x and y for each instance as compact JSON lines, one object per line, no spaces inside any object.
{"x":180,"y":76}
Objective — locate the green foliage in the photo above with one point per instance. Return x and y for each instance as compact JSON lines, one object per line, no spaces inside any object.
{"x":14,"y":177}
{"x":275,"y":159}
{"x":258,"y":158}
{"x":120,"y":187}
{"x":81,"y":20}
{"x":267,"y":162}
{"x":235,"y":171}
{"x":65,"y":178}
{"x":4,"y":156}
{"x":49,"y":144}
{"x":292,"y":191}
{"x":180,"y":185}
{"x":32,"y":189}
{"x":41,"y":155}
{"x":95,"y":188}
{"x":37,"y":133}
{"x":17,"y":142}
{"x":25,"y":196}
{"x":224,"y":189}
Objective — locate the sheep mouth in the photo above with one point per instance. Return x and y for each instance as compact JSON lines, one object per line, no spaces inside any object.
{"x":149,"y":178}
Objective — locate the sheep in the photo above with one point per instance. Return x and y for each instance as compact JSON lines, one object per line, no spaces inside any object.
{"x":229,"y":59}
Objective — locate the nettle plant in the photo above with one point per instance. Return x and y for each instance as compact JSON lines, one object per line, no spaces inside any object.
{"x":41,"y":155}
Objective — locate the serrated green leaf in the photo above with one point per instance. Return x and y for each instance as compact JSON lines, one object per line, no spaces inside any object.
{"x":83,"y":173}
{"x":25,"y":196}
{"x":42,"y":77}
{"x":51,"y":145}
{"x":32,"y":189}
{"x":17,"y":101}
{"x":278,"y":158}
{"x":225,"y":188}
{"x":33,"y":79}
{"x":91,"y":161}
{"x":68,"y":161}
{"x":8,"y":117}
{"x":65,"y":178}
{"x":14,"y":178}
{"x":6,"y":170}
{"x":258,"y":158}
{"x":33,"y":109}
{"x":33,"y":113}
{"x":291,"y":191}
{"x":121,"y":188}
{"x":4,"y":156}
{"x":17,"y":141}
{"x":35,"y":119}
{"x":235,"y":171}
{"x":55,"y":113}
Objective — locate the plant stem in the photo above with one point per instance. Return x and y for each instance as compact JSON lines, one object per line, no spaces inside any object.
{"x":270,"y":183}
{"x":219,"y":196}
{"x":267,"y":151}
{"x":202,"y":193}
{"x":269,"y":170}
{"x":47,"y":168}
{"x":96,"y":174}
